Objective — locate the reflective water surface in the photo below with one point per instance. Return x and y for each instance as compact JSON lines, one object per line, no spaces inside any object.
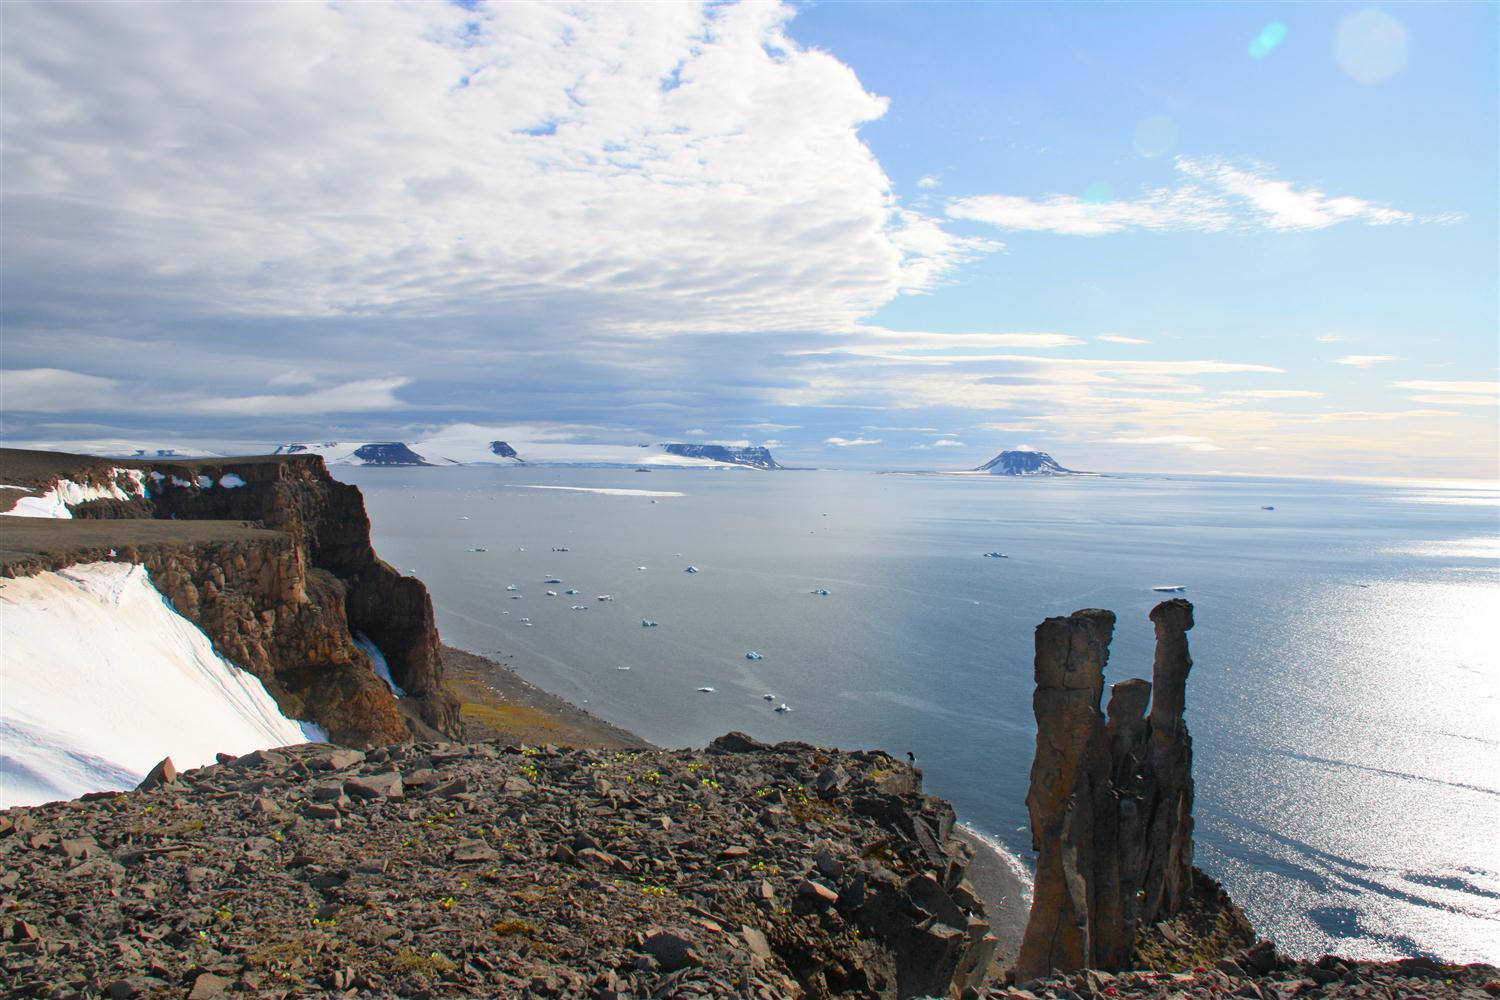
{"x":1345,"y":703}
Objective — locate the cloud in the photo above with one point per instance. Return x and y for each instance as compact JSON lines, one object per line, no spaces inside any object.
{"x":1453,"y":393}
{"x":55,"y":390}
{"x":364,"y":396}
{"x":292,"y":377}
{"x":646,"y":167}
{"x":1111,"y":338}
{"x":694,"y":432}
{"x":1328,"y":338}
{"x":1190,"y":441}
{"x":839,"y":442}
{"x":1364,"y":360}
{"x":948,"y":443}
{"x":1272,"y":394}
{"x":1211,"y":196}
{"x":929,"y":181}
{"x":766,"y":425}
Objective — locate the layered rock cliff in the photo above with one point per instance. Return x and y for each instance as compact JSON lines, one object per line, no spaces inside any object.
{"x":1111,"y":797}
{"x":285,"y":603}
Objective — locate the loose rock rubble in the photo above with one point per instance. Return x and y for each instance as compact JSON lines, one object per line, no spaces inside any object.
{"x":437,"y":869}
{"x":1261,"y":974}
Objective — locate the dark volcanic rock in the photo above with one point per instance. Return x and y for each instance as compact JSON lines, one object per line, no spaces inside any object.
{"x":1111,"y":799}
{"x":1025,"y":463}
{"x":504,"y":450}
{"x":554,"y":872}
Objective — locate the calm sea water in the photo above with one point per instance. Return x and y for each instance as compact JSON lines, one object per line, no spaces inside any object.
{"x":1344,"y":705}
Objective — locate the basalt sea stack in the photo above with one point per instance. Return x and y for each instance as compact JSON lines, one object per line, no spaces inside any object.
{"x":1111,"y":797}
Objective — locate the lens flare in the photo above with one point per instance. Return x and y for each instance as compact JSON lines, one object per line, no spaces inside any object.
{"x":1155,"y":136}
{"x":1270,"y":36}
{"x":1370,"y":46}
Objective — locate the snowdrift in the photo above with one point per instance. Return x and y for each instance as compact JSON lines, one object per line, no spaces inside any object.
{"x":100,"y":678}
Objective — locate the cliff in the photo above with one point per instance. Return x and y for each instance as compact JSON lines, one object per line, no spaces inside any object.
{"x":755,"y":458}
{"x":284,"y":602}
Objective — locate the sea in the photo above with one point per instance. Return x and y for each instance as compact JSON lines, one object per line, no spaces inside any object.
{"x":1344,"y":701}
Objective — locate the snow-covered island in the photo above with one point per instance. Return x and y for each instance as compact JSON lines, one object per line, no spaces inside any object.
{"x":468,"y":445}
{"x":1026,"y":463}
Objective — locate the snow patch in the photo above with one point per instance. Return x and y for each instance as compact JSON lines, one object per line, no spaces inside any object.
{"x":54,"y":502}
{"x":605,"y":492}
{"x":102,"y":679}
{"x":231,"y":481}
{"x":382,"y":668}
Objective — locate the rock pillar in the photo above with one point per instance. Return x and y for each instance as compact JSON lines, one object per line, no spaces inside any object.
{"x":1111,"y":797}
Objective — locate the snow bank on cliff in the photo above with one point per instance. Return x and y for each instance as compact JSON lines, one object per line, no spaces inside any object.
{"x":54,"y":502}
{"x":100,"y":678}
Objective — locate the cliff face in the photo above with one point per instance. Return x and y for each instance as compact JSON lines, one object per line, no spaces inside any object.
{"x":754,"y":457}
{"x":283,"y":607}
{"x":1111,"y":797}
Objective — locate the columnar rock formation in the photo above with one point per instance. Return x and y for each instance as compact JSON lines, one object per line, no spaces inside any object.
{"x":1111,"y":797}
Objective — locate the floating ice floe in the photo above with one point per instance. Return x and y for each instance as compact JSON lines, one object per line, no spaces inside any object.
{"x":622,"y":668}
{"x":551,"y":593}
{"x":571,"y":591}
{"x":783,"y":707}
{"x":479,"y":548}
{"x":768,"y":697}
{"x":516,"y":597}
{"x":511,"y":586}
{"x":604,"y":597}
{"x":463,"y":517}
{"x":691,"y":569}
{"x":706,"y":690}
{"x":996,"y":555}
{"x":819,"y":591}
{"x":559,"y":548}
{"x":640,"y":567}
{"x":1174,"y":588}
{"x":1268,"y":508}
{"x":580,"y":607}
{"x":753,"y":655}
{"x":552,"y":579}
{"x":647,"y":623}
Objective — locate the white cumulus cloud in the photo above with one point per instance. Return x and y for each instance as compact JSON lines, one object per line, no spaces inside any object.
{"x":1364,"y":360}
{"x":1211,"y":196}
{"x":839,"y":442}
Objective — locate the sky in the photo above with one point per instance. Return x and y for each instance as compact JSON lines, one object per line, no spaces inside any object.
{"x":1247,"y":238}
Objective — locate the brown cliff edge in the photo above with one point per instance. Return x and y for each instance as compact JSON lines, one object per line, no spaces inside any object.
{"x":277,"y":570}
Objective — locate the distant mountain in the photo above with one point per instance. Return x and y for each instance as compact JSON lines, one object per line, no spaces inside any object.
{"x":463,"y":446}
{"x":756,"y":458}
{"x":1025,"y":463}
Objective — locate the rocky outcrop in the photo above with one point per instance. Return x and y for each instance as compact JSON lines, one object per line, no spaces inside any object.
{"x":287,"y":611}
{"x":754,"y":457}
{"x":436,"y":869}
{"x":1111,"y":797}
{"x":504,"y":450}
{"x":1025,"y":463}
